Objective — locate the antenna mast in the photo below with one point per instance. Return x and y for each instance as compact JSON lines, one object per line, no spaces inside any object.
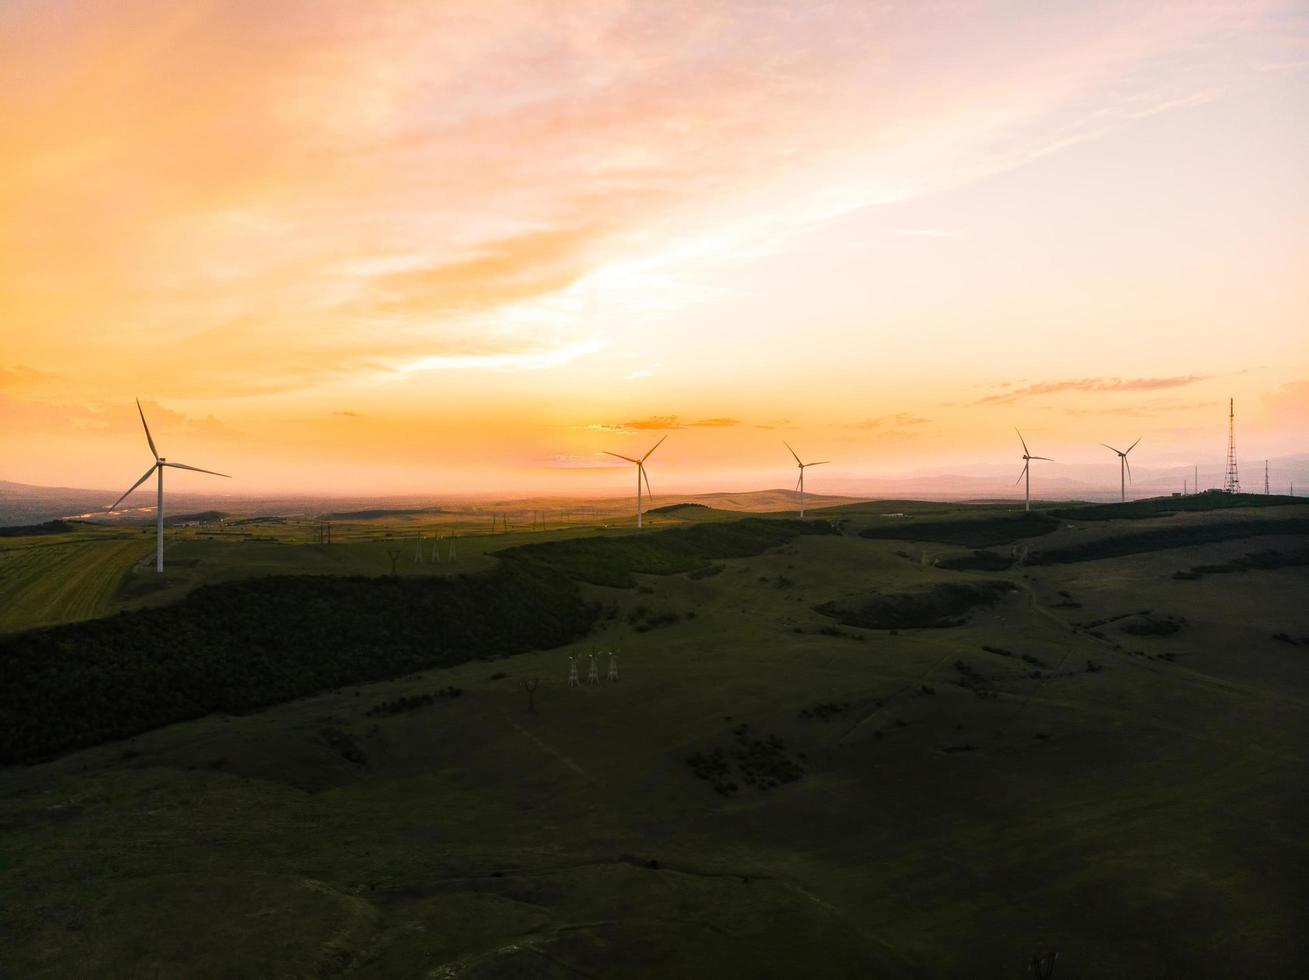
{"x":1233,"y":484}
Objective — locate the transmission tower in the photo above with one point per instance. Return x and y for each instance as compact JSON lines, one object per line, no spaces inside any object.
{"x":1233,"y":483}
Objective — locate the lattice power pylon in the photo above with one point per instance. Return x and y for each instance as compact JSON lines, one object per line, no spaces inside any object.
{"x":1233,"y":482}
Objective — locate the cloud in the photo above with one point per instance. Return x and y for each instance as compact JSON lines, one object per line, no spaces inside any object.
{"x":353,"y":415}
{"x":899,"y":419}
{"x":537,"y":359}
{"x":504,"y":271}
{"x":399,"y":183}
{"x":654,"y":422}
{"x":1098,"y":385}
{"x":597,"y":461}
{"x":715,"y":423}
{"x":19,"y":376}
{"x":118,"y":417}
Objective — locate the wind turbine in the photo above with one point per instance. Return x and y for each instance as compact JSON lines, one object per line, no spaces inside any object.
{"x":1124,"y":467}
{"x":1027,"y":471}
{"x":800,"y":483}
{"x":640,"y":475}
{"x":158,"y":467}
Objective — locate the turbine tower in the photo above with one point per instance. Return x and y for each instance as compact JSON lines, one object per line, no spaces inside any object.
{"x":1124,"y":467}
{"x":640,"y":475}
{"x":800,"y":483}
{"x":1027,"y":471}
{"x":1266,"y":490}
{"x":158,"y":467}
{"x":1233,"y":483}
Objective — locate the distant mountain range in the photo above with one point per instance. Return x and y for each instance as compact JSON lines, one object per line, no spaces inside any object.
{"x":22,"y":503}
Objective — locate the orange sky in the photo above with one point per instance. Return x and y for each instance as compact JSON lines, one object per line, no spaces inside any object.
{"x":399,"y":247}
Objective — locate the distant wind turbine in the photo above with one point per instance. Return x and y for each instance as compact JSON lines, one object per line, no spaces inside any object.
{"x":640,"y":475}
{"x":800,"y":483}
{"x":1124,"y":467}
{"x":158,"y":467}
{"x":1027,"y":471}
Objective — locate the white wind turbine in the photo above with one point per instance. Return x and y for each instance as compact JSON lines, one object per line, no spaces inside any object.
{"x":158,"y":467}
{"x":1124,"y":467}
{"x":640,"y":475}
{"x":800,"y":483}
{"x":1027,"y":471}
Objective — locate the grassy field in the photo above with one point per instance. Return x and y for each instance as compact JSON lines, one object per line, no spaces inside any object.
{"x":96,"y":570}
{"x":61,"y":578}
{"x":1037,"y":776}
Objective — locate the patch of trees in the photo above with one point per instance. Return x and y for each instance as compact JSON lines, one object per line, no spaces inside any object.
{"x":643,"y":620}
{"x":613,"y":561}
{"x":981,"y":561}
{"x":679,"y":508}
{"x":941,"y":605}
{"x":1166,"y":506}
{"x":1163,"y":538}
{"x":29,"y":530}
{"x":1146,"y":625}
{"x":825,"y":710}
{"x":1259,"y":560}
{"x":1288,"y":638}
{"x":413,"y":701}
{"x":759,"y":762}
{"x":968,"y":532}
{"x":706,"y":571}
{"x":240,"y":646}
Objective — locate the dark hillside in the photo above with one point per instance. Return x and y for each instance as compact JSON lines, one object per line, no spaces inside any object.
{"x":1163,"y":506}
{"x":243,"y":645}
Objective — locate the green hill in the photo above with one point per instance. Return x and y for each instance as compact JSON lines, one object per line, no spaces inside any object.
{"x":959,"y":766}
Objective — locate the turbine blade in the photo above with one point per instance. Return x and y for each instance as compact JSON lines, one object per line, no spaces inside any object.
{"x":1133,"y":446}
{"x":183,"y":466}
{"x":1046,"y":458}
{"x":153,"y":451}
{"x":147,"y":476}
{"x":620,"y":456}
{"x":652,"y":449}
{"x":1023,"y":441}
{"x":797,"y":486}
{"x":1129,"y":468}
{"x":649,"y":494}
{"x":819,"y":463}
{"x":792,"y":451}
{"x":1111,"y":448}
{"x":1021,"y":475}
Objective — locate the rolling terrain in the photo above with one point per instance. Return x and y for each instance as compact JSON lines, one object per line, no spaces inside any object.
{"x":826,"y":754}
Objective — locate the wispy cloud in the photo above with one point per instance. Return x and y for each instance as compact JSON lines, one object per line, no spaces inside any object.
{"x":654,"y":423}
{"x":887,"y":421}
{"x":19,"y":376}
{"x":527,"y":360}
{"x":1092,"y":385}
